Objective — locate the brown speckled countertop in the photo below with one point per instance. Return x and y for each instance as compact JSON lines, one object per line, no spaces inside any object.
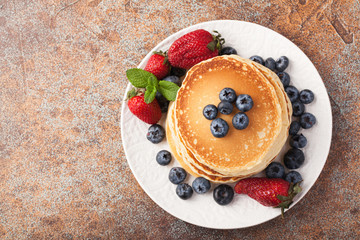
{"x":63,"y":172}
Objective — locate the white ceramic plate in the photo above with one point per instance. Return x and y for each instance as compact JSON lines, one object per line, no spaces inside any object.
{"x":248,"y":39}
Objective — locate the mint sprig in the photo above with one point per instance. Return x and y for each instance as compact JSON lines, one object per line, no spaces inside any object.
{"x":142,"y":79}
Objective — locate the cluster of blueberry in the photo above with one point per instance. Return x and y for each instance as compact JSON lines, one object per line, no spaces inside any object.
{"x":177,"y":176}
{"x":277,"y":66}
{"x":223,"y":194}
{"x":219,"y":127}
{"x":298,"y":99}
{"x":277,"y":170}
{"x":294,"y":158}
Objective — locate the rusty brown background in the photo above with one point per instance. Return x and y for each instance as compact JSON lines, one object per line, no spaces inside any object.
{"x":63,"y":172}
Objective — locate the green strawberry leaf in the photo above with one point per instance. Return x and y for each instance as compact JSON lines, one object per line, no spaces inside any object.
{"x":150,"y":94}
{"x":211,"y":45}
{"x":282,"y":198}
{"x":217,"y":42}
{"x":132,"y":93}
{"x":139,"y":77}
{"x":168,"y":90}
{"x":297,"y":189}
{"x":286,"y":201}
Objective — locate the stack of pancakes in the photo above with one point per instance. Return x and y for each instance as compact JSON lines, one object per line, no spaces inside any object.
{"x":241,"y":153}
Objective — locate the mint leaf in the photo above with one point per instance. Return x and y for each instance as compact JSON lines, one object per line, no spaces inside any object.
{"x":168,"y":90}
{"x":149,"y":93}
{"x":139,"y":77}
{"x":152,"y":81}
{"x":151,"y":89}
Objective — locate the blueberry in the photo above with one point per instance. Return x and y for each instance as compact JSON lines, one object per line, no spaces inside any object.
{"x":293,"y":177}
{"x":306,"y":96}
{"x":275,"y":170}
{"x":225,"y":107}
{"x":240,"y":121}
{"x":163,"y":157}
{"x":292,"y":93}
{"x":284,"y":78}
{"x":173,"y":79}
{"x":201,"y":185}
{"x":219,"y":128}
{"x":163,"y":102}
{"x":270,"y":64}
{"x":298,"y":141}
{"x":177,"y":175}
{"x":294,"y":128}
{"x":244,"y":102}
{"x":156,"y":133}
{"x":223,"y":194}
{"x":227,"y":95}
{"x":257,"y":59}
{"x":298,"y":108}
{"x":227,"y":51}
{"x":282,"y":63}
{"x":177,"y":71}
{"x":184,"y":191}
{"x":210,"y":112}
{"x":307,"y":120}
{"x":294,"y":158}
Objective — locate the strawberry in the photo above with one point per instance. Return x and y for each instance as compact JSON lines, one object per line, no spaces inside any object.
{"x":158,"y":65}
{"x":193,"y":48}
{"x":149,"y":113}
{"x":271,"y":192}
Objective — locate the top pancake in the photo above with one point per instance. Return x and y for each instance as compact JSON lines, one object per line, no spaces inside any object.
{"x":239,"y":150}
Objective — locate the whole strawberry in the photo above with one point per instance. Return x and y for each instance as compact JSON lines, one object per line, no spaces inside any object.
{"x":149,"y":113}
{"x":193,"y":48}
{"x":158,"y":65}
{"x":271,"y":192}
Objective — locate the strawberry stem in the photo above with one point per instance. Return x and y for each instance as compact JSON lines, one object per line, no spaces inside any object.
{"x":133,"y":92}
{"x":286,"y":201}
{"x":164,"y":54}
{"x":217,"y":42}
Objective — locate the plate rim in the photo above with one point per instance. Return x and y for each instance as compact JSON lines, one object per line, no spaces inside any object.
{"x":194,"y":27}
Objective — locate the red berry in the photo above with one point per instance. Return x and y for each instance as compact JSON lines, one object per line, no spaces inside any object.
{"x":272,"y":192}
{"x":263,"y":190}
{"x":149,"y":113}
{"x":158,"y":66}
{"x":193,"y":48}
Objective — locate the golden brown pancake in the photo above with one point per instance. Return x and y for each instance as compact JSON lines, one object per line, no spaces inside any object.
{"x":240,"y":148}
{"x":242,"y":152}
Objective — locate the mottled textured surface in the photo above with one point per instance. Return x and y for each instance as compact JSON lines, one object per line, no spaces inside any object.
{"x":63,"y":172}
